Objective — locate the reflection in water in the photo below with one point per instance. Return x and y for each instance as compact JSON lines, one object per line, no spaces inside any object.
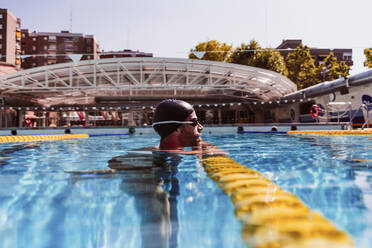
{"x":5,"y":154}
{"x":329,"y":174}
{"x":152,"y":181}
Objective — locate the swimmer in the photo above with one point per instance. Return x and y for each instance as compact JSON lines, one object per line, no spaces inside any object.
{"x":178,"y":126}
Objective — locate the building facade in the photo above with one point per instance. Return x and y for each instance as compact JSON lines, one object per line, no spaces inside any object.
{"x":48,"y":48}
{"x":318,"y":54}
{"x":10,"y":38}
{"x":123,"y":54}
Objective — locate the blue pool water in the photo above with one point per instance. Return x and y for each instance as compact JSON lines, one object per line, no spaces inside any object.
{"x":42,"y":205}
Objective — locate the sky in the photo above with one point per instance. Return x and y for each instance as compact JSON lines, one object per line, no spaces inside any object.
{"x":170,"y":28}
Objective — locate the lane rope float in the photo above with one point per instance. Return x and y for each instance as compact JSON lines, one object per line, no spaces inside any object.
{"x":270,"y":216}
{"x":29,"y":138}
{"x":333,"y":132}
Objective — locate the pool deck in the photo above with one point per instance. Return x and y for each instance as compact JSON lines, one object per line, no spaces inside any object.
{"x":208,"y":129}
{"x":29,"y":135}
{"x":333,"y":132}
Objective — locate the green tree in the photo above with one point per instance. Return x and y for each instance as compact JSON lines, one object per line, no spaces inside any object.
{"x":301,"y":67}
{"x":330,"y":69}
{"x":368,"y":54}
{"x":243,"y":55}
{"x":269,"y":59}
{"x":215,"y":51}
{"x":253,"y":55}
{"x":343,"y":69}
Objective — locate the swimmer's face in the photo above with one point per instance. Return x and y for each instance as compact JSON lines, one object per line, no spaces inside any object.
{"x":190,"y":133}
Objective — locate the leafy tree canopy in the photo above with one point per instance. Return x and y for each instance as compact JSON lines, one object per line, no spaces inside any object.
{"x":270,"y":59}
{"x":368,"y":54}
{"x":243,"y":54}
{"x":215,"y":51}
{"x":253,"y":55}
{"x":330,"y":69}
{"x":301,"y":67}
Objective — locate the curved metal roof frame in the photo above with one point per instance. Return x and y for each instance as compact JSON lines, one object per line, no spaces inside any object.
{"x":72,"y":83}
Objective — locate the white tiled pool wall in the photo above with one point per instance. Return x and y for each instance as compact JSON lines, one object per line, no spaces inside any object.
{"x":208,"y":129}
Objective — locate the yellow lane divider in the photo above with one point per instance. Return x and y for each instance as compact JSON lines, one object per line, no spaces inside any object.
{"x":334,"y":132}
{"x":27,"y":138}
{"x":270,"y":216}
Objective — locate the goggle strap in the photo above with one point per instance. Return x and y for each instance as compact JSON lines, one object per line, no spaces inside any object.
{"x":171,"y":122}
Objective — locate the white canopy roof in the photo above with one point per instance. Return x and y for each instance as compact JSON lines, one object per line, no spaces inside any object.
{"x":131,"y":78}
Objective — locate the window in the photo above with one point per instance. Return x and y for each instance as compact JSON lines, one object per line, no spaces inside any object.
{"x":51,"y":61}
{"x":33,"y":64}
{"x":1,"y":36}
{"x":1,"y":26}
{"x":45,"y":38}
{"x":23,"y":35}
{"x":52,"y":47}
{"x":347,"y":56}
{"x":33,"y":48}
{"x":1,"y":46}
{"x":52,"y":38}
{"x":1,"y":16}
{"x":69,"y":47}
{"x":34,"y":39}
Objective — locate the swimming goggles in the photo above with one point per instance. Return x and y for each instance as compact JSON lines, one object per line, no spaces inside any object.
{"x":193,"y":122}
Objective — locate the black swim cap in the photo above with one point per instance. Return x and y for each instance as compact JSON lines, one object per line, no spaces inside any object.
{"x":171,"y":110}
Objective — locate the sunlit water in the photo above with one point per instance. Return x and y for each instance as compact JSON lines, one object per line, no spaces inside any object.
{"x":42,"y":205}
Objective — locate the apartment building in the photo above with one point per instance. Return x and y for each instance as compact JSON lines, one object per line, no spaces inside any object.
{"x":48,"y":48}
{"x":123,"y":54}
{"x":318,"y":54}
{"x":10,"y":38}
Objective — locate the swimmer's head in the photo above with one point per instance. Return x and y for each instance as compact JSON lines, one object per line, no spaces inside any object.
{"x":169,"y":115}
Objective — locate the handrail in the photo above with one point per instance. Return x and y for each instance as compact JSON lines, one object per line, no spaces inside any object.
{"x":365,"y":106}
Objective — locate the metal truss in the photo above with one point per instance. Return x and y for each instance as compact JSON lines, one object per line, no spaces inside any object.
{"x":134,"y":76}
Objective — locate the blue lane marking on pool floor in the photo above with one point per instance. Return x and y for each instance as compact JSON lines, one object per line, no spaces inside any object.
{"x":273,"y":132}
{"x":107,"y":134}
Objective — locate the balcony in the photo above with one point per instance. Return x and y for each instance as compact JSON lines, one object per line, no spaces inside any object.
{"x":52,"y":48}
{"x":52,"y":39}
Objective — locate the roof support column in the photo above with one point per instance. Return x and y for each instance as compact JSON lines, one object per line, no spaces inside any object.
{"x":187,"y":75}
{"x":118,"y":73}
{"x":95,"y":75}
{"x":164,"y":75}
{"x":71,"y":79}
{"x":46,"y":79}
{"x":210,"y":76}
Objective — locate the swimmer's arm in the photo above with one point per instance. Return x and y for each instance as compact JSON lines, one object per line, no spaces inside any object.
{"x":134,"y":160}
{"x":204,"y":148}
{"x":211,"y":149}
{"x":102,"y":171}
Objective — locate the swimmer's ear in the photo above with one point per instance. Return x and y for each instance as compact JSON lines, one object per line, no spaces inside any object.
{"x":179,"y":129}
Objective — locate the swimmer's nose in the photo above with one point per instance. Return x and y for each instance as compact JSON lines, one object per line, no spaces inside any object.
{"x":200,"y":126}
